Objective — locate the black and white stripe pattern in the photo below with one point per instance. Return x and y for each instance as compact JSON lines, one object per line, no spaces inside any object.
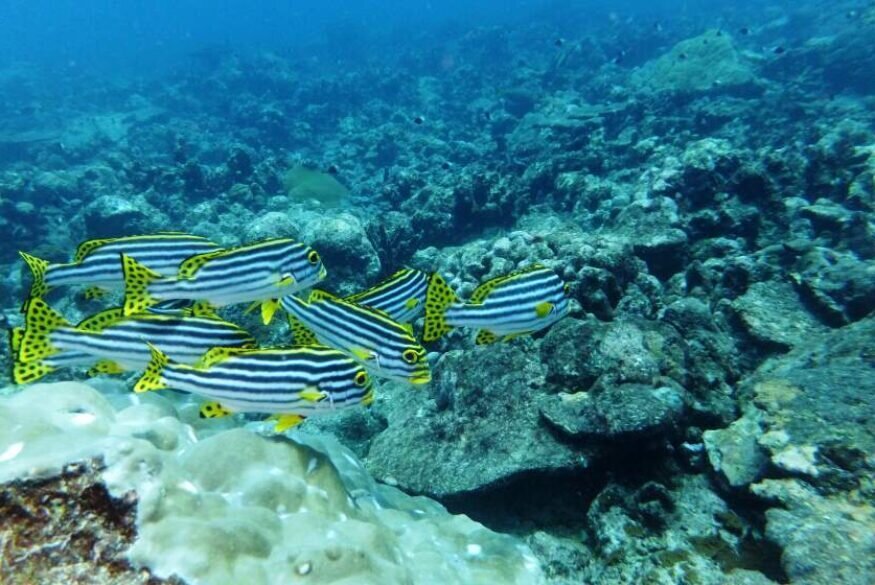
{"x":250,"y":273}
{"x":163,"y":253}
{"x":375,"y":340}
{"x":401,"y":296}
{"x":272,"y":380}
{"x":185,"y":339}
{"x":511,"y":307}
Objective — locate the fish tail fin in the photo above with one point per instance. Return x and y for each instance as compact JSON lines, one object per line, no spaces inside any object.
{"x":438,"y":298}
{"x":40,"y":322}
{"x":25,"y":373}
{"x":38,"y":268}
{"x":153,"y":378}
{"x":137,"y":280}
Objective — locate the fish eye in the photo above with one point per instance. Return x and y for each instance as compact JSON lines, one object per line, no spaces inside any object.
{"x":313,"y":257}
{"x":361,"y":378}
{"x":410,"y":356}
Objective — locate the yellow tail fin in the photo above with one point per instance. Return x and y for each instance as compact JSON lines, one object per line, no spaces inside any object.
{"x":38,"y":267}
{"x":31,"y":372}
{"x":152,"y":378}
{"x":16,"y":334}
{"x":40,"y":322}
{"x":438,"y":298}
{"x":137,"y":281}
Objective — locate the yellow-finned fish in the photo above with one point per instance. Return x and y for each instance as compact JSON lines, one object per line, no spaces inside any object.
{"x":401,"y":296}
{"x":292,"y":383}
{"x":114,"y":342}
{"x":96,"y":262}
{"x":521,"y":302}
{"x":387,"y":348}
{"x":254,"y":273}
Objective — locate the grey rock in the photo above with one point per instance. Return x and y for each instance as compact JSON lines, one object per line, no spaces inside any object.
{"x":838,"y":285}
{"x":824,"y":539}
{"x":347,"y":252}
{"x":734,"y":452}
{"x":773,"y":314}
{"x":479,"y":428}
{"x":617,"y":412}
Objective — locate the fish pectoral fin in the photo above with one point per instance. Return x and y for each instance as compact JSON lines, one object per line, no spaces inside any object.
{"x":485,"y":337}
{"x":285,"y":422}
{"x":411,"y":303}
{"x":268,"y":310}
{"x":213,"y":409}
{"x":544,"y":309}
{"x":252,"y":306}
{"x":363,"y":353}
{"x":312,"y":394}
{"x":285,"y":281}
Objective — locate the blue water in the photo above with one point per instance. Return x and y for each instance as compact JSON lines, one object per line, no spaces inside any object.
{"x":699,"y":174}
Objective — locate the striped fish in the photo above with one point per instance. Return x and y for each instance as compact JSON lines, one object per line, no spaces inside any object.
{"x":256,"y":272}
{"x":96,"y":262}
{"x":24,"y":373}
{"x":387,"y":348}
{"x":293,"y":383}
{"x":521,"y":302}
{"x":115,"y":342}
{"x":401,"y":296}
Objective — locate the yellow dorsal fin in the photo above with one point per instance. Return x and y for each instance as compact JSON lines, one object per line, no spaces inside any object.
{"x":485,"y":337}
{"x":38,"y":268}
{"x":40,"y":322}
{"x":481,"y":292}
{"x":102,"y":320}
{"x":317,"y":295}
{"x":88,"y":246}
{"x":301,"y":334}
{"x":137,"y":280}
{"x":287,"y":421}
{"x":438,"y":298}
{"x":217,"y":355}
{"x":192,"y":264}
{"x":107,"y":367}
{"x":213,"y":409}
{"x":93,"y":293}
{"x":202,"y":309}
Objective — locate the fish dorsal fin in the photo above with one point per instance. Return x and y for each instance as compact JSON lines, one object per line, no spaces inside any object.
{"x":192,"y":264}
{"x":88,"y":246}
{"x":318,"y":294}
{"x":108,"y":367}
{"x":217,"y":355}
{"x":388,"y":282}
{"x":300,"y":333}
{"x":102,"y":320}
{"x":485,"y":337}
{"x":481,"y":292}
{"x":213,"y":409}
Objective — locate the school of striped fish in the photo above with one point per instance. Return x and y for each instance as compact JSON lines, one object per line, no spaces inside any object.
{"x":167,"y":326}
